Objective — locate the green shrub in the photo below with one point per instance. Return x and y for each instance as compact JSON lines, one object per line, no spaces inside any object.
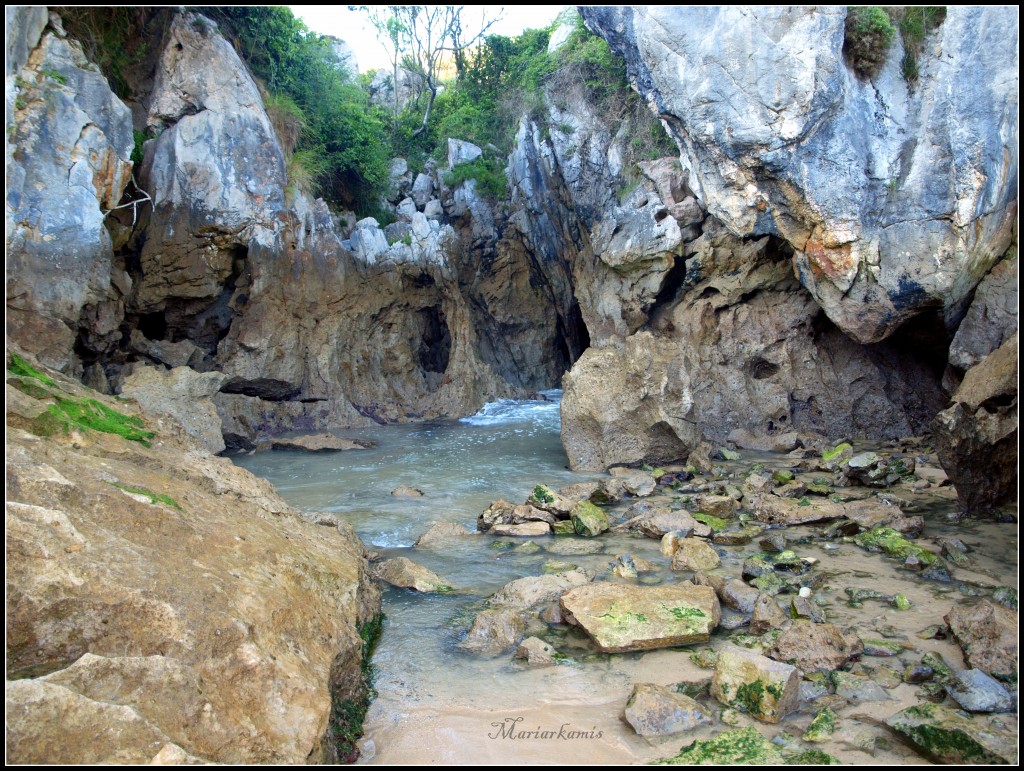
{"x":915,"y":22}
{"x":154,"y":498}
{"x":489,"y":175}
{"x":869,"y":33}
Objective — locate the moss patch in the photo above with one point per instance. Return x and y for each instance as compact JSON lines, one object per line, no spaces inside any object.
{"x":889,"y":541}
{"x":91,"y":415}
{"x":18,"y":366}
{"x":836,"y":452}
{"x":154,"y":498}
{"x":715,"y":523}
{"x":543,"y":494}
{"x":822,"y":727}
{"x":347,"y":715}
{"x":740,"y":747}
{"x":812,"y":758}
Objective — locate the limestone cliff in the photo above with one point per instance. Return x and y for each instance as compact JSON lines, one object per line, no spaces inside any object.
{"x":162,"y":604}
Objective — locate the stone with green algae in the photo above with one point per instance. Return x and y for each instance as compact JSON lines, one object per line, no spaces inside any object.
{"x":822,"y":727}
{"x":715,"y":523}
{"x":563,"y":527}
{"x":588,"y":519}
{"x":812,"y":758}
{"x":945,"y":736}
{"x":748,"y":681}
{"x":739,"y":747}
{"x":889,"y":541}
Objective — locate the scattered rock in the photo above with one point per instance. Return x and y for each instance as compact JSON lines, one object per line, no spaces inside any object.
{"x":857,"y":688}
{"x":871,"y":513}
{"x":1005,"y":596}
{"x":976,"y":691}
{"x":743,"y":535}
{"x":621,"y":617}
{"x":566,"y":547}
{"x":657,"y":524}
{"x":766,"y":615}
{"x":815,"y":647}
{"x":638,"y":483}
{"x":739,"y":747}
{"x":872,"y":470}
{"x":694,"y":554}
{"x":739,"y":596}
{"x":531,"y":591}
{"x":525,"y":530}
{"x":318,"y":443}
{"x":987,"y":633}
{"x":887,"y":540}
{"x":404,"y":491}
{"x":441,"y":533}
{"x":944,"y":736}
{"x":784,"y":511}
{"x":721,"y":506}
{"x":881,"y":648}
{"x":806,"y":608}
{"x":774,"y":543}
{"x":915,"y":674}
{"x":588,"y":519}
{"x":546,"y":499}
{"x":494,"y":631}
{"x":822,"y":727}
{"x":536,"y":652}
{"x":768,"y":690}
{"x":406,"y":574}
{"x":654,"y":710}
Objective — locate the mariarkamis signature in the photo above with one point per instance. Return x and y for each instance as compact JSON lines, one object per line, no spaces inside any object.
{"x":509,"y":729}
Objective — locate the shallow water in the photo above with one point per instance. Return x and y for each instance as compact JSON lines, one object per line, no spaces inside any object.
{"x":437,"y":704}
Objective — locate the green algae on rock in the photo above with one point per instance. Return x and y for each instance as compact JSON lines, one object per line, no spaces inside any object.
{"x":889,"y":541}
{"x":945,"y":736}
{"x":739,"y":747}
{"x":588,"y":519}
{"x":822,"y":727}
{"x":765,"y":689}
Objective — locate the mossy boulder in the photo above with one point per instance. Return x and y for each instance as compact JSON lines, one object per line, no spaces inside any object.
{"x":944,"y":736}
{"x":765,"y":689}
{"x":739,"y":747}
{"x":891,"y":542}
{"x":694,"y":554}
{"x":822,"y":727}
{"x":588,"y":519}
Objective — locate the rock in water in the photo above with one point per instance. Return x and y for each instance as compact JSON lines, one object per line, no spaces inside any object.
{"x":946,"y":737}
{"x":404,"y":491}
{"x":620,"y":617}
{"x":441,"y":533}
{"x":654,"y":710}
{"x":752,"y":683}
{"x":975,"y":691}
{"x":494,"y":631}
{"x":694,"y":554}
{"x":530,"y":591}
{"x":588,"y":519}
{"x":406,"y":574}
{"x":536,"y":653}
{"x":987,"y":633}
{"x":317,"y":443}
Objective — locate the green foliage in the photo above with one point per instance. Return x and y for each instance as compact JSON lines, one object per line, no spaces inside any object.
{"x":18,"y":366}
{"x":347,"y":715}
{"x":54,"y":75}
{"x":915,"y":22}
{"x":92,"y":415}
{"x":138,"y":151}
{"x":488,"y":174}
{"x":869,"y":33}
{"x":153,"y":497}
{"x":112,"y":37}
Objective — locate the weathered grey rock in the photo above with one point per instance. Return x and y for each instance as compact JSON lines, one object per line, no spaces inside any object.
{"x":944,"y":736}
{"x":569,"y":547}
{"x":441,"y":533}
{"x":178,"y":354}
{"x":739,"y":596}
{"x":501,"y":512}
{"x":991,"y":318}
{"x":316,"y":443}
{"x":621,"y":617}
{"x":636,"y":482}
{"x":785,"y":511}
{"x":721,"y":506}
{"x":422,"y":190}
{"x":406,"y":574}
{"x":858,"y":688}
{"x":494,"y":631}
{"x":694,"y":554}
{"x":659,"y":522}
{"x":815,"y":647}
{"x":772,"y":150}
{"x":744,"y":680}
{"x":536,"y":653}
{"x":654,"y":710}
{"x":976,"y":691}
{"x":59,"y":252}
{"x":531,"y":591}
{"x":461,"y":151}
{"x":976,"y":436}
{"x":382,"y":87}
{"x":183,"y":395}
{"x":987,"y":633}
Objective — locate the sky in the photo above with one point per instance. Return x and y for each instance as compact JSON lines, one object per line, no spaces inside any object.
{"x":354,"y":28}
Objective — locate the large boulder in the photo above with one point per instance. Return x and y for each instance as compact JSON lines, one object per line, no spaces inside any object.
{"x":162,"y":603}
{"x":767,"y":690}
{"x":945,"y":736}
{"x":976,"y":436}
{"x":815,"y":647}
{"x":987,"y":633}
{"x":992,"y":317}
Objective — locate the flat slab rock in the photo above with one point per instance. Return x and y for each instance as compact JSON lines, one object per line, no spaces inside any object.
{"x":316,"y":443}
{"x":620,"y":617}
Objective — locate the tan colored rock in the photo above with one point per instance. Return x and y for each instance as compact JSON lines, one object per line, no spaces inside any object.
{"x":774,"y":510}
{"x":530,"y":591}
{"x":405,"y":491}
{"x":987,"y":633}
{"x":654,"y":710}
{"x":441,"y":533}
{"x":536,"y":653}
{"x":694,"y":554}
{"x":525,"y":530}
{"x":622,"y":617}
{"x":494,"y":631}
{"x":176,"y":613}
{"x":317,"y":443}
{"x":636,"y":482}
{"x":721,"y":506}
{"x":766,"y":615}
{"x":406,"y":574}
{"x":815,"y":647}
{"x":765,"y":689}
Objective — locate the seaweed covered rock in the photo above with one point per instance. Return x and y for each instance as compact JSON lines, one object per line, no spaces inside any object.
{"x":944,"y":736}
{"x":739,"y":747}
{"x":766,"y":689}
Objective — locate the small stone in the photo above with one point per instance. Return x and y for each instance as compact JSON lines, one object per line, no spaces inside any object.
{"x":738,"y":596}
{"x":881,"y":648}
{"x":404,"y":491}
{"x":670,"y":542}
{"x":782,"y":476}
{"x":1005,"y":596}
{"x":694,"y":554}
{"x":887,"y":677}
{"x":536,"y":652}
{"x":695,"y":689}
{"x":774,"y":543}
{"x":525,"y":530}
{"x":941,"y":669}
{"x":806,"y":607}
{"x":743,"y":535}
{"x":857,"y":688}
{"x":976,"y":691}
{"x":494,"y":631}
{"x":654,"y":710}
{"x":766,"y":615}
{"x":406,"y":574}
{"x":442,"y":533}
{"x":739,"y":747}
{"x":915,"y":674}
{"x":815,"y":647}
{"x":822,"y":727}
{"x":770,"y":584}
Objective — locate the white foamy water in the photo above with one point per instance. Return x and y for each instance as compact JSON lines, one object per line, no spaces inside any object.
{"x":544,"y":413}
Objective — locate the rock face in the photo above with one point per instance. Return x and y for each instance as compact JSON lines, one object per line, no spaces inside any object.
{"x":162,"y":603}
{"x":68,"y":145}
{"x":620,"y":617}
{"x":976,"y":436}
{"x":769,"y":149}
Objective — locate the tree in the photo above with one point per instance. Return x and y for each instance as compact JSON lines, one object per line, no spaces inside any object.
{"x":394,"y":36}
{"x":424,"y":37}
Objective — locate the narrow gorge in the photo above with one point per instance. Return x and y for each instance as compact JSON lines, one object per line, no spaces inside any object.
{"x":704,"y":288}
